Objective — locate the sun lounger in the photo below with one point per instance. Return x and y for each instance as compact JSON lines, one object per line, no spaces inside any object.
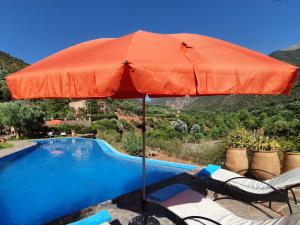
{"x":279,"y":185}
{"x":196,"y":209}
{"x":102,"y":217}
{"x":63,"y":134}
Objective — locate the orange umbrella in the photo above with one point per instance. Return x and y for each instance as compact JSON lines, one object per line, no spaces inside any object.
{"x":144,"y":63}
{"x":155,"y":64}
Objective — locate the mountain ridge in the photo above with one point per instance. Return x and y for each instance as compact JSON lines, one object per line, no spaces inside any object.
{"x":10,"y":64}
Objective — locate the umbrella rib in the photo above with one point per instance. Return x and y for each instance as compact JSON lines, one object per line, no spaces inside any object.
{"x":184,"y":45}
{"x":130,"y":46}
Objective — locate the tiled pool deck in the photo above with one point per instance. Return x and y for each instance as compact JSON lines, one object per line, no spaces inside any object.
{"x":126,"y":207}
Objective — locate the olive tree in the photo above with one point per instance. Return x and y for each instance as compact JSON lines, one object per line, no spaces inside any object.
{"x":22,"y":116}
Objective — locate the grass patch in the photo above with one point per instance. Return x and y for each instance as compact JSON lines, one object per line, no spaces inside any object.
{"x":5,"y":145}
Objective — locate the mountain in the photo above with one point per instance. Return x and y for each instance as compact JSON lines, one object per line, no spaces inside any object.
{"x":10,"y":64}
{"x":234,"y":102}
{"x":291,"y":47}
{"x":289,"y":55}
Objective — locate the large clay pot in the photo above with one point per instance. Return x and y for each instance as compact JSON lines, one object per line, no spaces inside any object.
{"x":267,"y":161}
{"x":236,"y":160}
{"x":291,"y":161}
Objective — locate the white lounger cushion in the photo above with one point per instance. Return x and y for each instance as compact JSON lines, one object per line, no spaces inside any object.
{"x":248,"y":185}
{"x":287,"y":179}
{"x":191,"y":203}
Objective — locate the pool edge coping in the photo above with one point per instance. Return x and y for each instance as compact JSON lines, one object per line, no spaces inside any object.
{"x":111,"y":149}
{"x":20,"y":146}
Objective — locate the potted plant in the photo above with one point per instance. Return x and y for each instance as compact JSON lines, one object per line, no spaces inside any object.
{"x":265,"y":162}
{"x":291,"y":159}
{"x":236,"y":153}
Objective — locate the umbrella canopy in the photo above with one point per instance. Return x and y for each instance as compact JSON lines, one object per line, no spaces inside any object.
{"x":159,"y":65}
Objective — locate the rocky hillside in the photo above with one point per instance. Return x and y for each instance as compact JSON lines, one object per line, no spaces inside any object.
{"x":10,"y":64}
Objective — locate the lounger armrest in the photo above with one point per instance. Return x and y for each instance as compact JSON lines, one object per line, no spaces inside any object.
{"x":201,"y":217}
{"x":239,"y":178}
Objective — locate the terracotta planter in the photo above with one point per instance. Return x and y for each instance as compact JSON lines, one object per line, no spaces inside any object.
{"x":267,"y":161}
{"x":236,"y":160}
{"x":291,"y":161}
{"x":73,"y":133}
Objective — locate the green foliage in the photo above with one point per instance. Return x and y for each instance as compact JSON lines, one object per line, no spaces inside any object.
{"x":206,"y":154}
{"x":80,"y":129}
{"x":291,"y":144}
{"x":68,"y":128}
{"x":239,"y":138}
{"x":180,"y":126}
{"x":95,"y":117}
{"x":214,"y":155}
{"x":196,"y":132}
{"x":4,"y":92}
{"x":24,"y":117}
{"x":163,"y":132}
{"x":171,"y":147}
{"x":5,"y":145}
{"x":126,"y":125}
{"x":92,"y":106}
{"x":110,"y":136}
{"x":56,"y":108}
{"x":107,"y":124}
{"x":11,"y":64}
{"x":260,"y":142}
{"x":131,"y":143}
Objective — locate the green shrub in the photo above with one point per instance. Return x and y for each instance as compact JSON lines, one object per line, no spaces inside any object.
{"x":164,"y":132}
{"x":180,"y":126}
{"x":171,"y":147}
{"x":106,"y":124}
{"x":215,"y":155}
{"x":206,"y":153}
{"x":132,"y":143}
{"x":110,"y":136}
{"x":95,"y":117}
{"x":127,"y":126}
{"x":88,"y":130}
{"x":196,"y":132}
{"x":69,"y":128}
{"x":239,"y":138}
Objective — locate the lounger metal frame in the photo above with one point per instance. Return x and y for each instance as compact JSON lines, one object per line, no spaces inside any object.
{"x":255,"y":197}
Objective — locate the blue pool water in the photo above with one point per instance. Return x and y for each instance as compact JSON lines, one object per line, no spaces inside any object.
{"x":60,"y":176}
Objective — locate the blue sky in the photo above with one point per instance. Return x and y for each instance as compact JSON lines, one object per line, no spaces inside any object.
{"x":34,"y":29}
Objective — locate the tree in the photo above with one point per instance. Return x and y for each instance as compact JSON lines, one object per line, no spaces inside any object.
{"x":56,"y":108}
{"x":92,"y":106}
{"x":4,"y":92}
{"x":25,"y":118}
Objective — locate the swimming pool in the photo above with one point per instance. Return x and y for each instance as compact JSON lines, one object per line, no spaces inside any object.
{"x":60,"y":176}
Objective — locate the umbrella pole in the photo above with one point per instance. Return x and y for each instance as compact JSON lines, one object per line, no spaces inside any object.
{"x":144,"y":219}
{"x":144,"y":162}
